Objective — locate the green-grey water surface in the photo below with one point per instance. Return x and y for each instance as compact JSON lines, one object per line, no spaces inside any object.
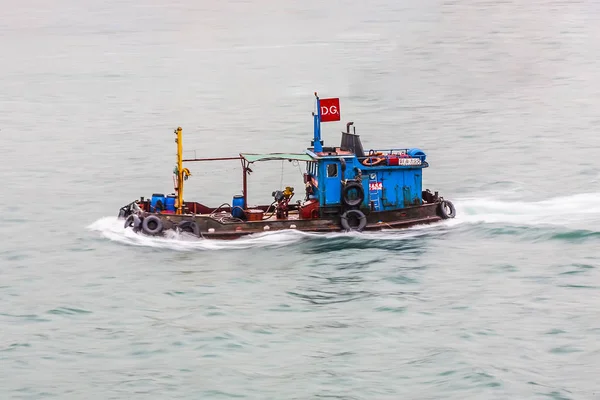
{"x":501,"y":302}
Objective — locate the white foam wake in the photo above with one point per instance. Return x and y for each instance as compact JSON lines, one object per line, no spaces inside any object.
{"x":564,"y":211}
{"x":113,"y":229}
{"x":568,"y":211}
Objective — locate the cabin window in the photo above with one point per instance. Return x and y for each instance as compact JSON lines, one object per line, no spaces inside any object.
{"x":332,"y":170}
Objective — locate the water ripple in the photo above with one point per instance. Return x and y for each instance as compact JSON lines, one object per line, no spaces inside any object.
{"x":500,"y":302}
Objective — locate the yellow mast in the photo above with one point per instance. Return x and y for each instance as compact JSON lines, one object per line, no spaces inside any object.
{"x":180,"y":172}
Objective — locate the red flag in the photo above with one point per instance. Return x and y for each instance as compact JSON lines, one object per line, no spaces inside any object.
{"x":330,"y":109}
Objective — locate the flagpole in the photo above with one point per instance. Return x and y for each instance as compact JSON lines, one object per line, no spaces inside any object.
{"x":318,"y":147}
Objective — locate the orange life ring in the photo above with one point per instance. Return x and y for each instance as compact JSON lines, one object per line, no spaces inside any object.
{"x":373,"y":161}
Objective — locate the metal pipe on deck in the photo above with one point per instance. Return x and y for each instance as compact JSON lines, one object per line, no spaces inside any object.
{"x":212,"y":159}
{"x":245,"y":183}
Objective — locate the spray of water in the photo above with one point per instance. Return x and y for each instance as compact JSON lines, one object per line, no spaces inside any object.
{"x":565,"y":211}
{"x":569,"y":212}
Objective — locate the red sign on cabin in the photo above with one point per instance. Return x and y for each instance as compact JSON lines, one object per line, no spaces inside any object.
{"x":330,"y":109}
{"x":375,"y":186}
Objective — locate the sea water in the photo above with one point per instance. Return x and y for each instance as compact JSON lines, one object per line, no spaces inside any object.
{"x":500,"y":302}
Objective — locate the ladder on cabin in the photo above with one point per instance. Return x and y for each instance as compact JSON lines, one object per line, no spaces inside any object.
{"x":374,"y":190}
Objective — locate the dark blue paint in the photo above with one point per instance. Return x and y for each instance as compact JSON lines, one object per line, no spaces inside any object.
{"x":401,"y":186}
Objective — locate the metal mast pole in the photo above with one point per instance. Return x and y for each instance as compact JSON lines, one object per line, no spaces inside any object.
{"x":179,"y":171}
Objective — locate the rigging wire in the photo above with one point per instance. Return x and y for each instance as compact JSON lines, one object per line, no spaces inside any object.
{"x":281,"y":181}
{"x":296,"y":163}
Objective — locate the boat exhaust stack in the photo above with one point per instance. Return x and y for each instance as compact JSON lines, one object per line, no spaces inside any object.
{"x":348,"y":127}
{"x":351,"y":141}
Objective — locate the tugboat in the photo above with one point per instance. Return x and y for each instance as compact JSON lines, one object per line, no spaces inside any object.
{"x":345,"y":189}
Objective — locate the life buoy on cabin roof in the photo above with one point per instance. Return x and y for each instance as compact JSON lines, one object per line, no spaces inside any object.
{"x":372,"y":161}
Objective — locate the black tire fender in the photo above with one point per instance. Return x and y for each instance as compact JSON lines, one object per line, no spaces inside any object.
{"x":353,"y":202}
{"x":134,"y":222}
{"x":189,"y":226}
{"x":362,"y":220}
{"x":152,"y":225}
{"x":442,"y":209}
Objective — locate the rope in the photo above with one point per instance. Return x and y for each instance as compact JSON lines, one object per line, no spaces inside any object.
{"x":273,"y":213}
{"x":296,"y":163}
{"x":227,"y":217}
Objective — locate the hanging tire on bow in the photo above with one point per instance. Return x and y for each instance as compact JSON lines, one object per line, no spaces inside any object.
{"x":152,"y":225}
{"x":353,"y":220}
{"x":353,"y":194}
{"x":190,"y":227}
{"x":446,"y":209}
{"x":134,"y":222}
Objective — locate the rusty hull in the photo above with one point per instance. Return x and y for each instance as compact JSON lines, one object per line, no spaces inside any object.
{"x":211,"y":228}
